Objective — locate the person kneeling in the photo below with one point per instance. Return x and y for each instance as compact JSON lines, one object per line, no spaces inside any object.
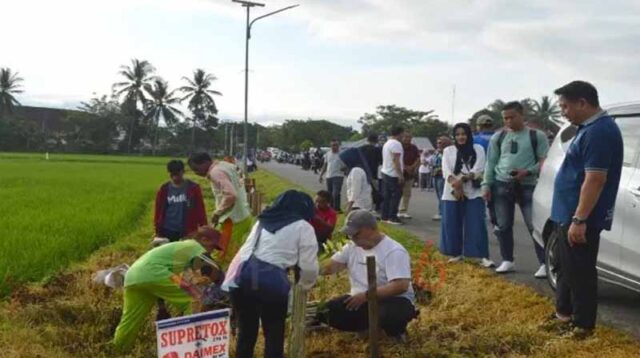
{"x":395,"y":293}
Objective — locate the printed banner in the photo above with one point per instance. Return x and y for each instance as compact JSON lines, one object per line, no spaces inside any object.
{"x":203,"y":335}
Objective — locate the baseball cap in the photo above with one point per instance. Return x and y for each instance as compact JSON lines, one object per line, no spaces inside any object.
{"x":356,"y":220}
{"x":484,"y":119}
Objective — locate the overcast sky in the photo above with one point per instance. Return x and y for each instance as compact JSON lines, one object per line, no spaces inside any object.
{"x":333,"y":59}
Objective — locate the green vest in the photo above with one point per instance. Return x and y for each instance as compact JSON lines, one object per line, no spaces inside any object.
{"x":161,"y":263}
{"x":240,"y":210}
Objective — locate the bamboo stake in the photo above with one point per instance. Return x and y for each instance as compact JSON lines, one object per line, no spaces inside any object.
{"x":298,"y":318}
{"x":372,"y":299}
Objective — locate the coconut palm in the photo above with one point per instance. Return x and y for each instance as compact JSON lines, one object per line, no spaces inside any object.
{"x":132,"y":91}
{"x":201,"y":102}
{"x":9,"y":87}
{"x":161,"y":105}
{"x":546,"y":111}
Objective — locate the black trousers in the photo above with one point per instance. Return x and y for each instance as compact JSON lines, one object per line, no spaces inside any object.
{"x":395,"y":314}
{"x":251,"y":310}
{"x":577,"y":287}
{"x":173,"y":236}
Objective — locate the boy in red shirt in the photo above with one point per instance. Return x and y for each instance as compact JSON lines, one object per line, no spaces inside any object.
{"x":325,"y":219}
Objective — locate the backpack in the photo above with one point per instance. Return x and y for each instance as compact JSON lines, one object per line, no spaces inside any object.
{"x":533,"y":136}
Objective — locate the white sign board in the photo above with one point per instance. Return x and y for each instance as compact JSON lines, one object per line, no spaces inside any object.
{"x":203,"y":335}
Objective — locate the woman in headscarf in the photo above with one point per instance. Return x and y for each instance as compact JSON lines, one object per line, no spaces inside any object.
{"x":281,"y":238}
{"x":358,"y":181}
{"x":463,"y":230}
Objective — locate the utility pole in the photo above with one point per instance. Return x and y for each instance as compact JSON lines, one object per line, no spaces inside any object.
{"x":249,"y":5}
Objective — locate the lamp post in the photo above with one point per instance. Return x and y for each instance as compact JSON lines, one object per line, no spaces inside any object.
{"x":249,"y":5}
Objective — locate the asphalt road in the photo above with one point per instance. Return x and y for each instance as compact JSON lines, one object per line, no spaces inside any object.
{"x":618,"y":307}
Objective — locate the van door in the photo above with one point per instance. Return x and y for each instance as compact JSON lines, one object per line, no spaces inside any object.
{"x":628,"y":204}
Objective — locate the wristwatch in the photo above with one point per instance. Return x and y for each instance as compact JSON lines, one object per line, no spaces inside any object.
{"x":578,"y":221}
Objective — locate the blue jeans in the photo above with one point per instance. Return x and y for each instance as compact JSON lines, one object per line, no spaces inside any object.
{"x":334,"y":186}
{"x":505,"y":196}
{"x":464,"y":229}
{"x":438,"y":184}
{"x":392,"y":194}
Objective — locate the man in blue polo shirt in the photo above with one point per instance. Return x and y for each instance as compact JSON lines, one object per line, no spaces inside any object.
{"x":584,"y":198}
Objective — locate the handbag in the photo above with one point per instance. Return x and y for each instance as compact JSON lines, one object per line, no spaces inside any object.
{"x":262,"y":279}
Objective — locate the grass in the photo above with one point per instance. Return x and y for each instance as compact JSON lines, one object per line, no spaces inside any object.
{"x":474,"y":314}
{"x":58,"y":211}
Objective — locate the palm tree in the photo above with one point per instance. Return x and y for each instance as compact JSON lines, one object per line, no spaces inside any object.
{"x":201,"y":102}
{"x":9,"y":86}
{"x":546,"y":112}
{"x":161,"y":105}
{"x":138,"y":75}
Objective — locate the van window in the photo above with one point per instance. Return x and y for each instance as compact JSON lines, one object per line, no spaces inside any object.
{"x":630,"y":128}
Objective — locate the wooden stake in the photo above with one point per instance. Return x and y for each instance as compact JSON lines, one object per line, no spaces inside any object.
{"x":372,"y":299}
{"x":296,"y":344}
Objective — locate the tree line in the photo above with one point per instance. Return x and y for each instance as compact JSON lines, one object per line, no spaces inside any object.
{"x":143,"y":114}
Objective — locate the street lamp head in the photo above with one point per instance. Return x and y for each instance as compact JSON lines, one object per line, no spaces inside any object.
{"x":248,"y":3}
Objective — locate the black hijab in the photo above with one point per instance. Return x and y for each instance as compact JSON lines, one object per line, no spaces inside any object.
{"x":466,"y":153}
{"x":289,"y":207}
{"x":354,"y":158}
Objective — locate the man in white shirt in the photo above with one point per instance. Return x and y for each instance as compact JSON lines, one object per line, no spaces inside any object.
{"x":395,"y":293}
{"x":358,"y":190}
{"x":425,"y":170}
{"x":392,"y":176}
{"x":334,"y":168}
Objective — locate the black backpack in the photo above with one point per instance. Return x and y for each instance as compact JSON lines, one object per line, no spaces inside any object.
{"x":533,"y":136}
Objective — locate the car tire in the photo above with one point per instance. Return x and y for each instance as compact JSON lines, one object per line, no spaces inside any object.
{"x":551,"y":260}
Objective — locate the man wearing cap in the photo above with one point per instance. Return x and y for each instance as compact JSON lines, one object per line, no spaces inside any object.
{"x":485,"y":131}
{"x":157,"y":275}
{"x":395,"y":293}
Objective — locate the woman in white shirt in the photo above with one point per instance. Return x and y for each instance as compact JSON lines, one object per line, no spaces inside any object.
{"x":463,"y":230}
{"x":359,"y":192}
{"x":282,"y":238}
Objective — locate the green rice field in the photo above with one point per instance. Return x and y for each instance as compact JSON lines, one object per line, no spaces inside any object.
{"x":55,"y":212}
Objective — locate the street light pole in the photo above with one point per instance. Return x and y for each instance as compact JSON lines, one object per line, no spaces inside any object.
{"x":249,"y":5}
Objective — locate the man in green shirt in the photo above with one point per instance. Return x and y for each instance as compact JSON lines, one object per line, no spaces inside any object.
{"x":157,"y":275}
{"x":513,"y":164}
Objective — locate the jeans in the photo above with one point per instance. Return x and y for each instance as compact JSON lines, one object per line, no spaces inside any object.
{"x":505,"y":196}
{"x":334,"y":186}
{"x":392,"y":193}
{"x":438,"y":184}
{"x":173,"y":236}
{"x":577,"y":290}
{"x":395,"y":314}
{"x":251,"y":311}
{"x":425,"y":181}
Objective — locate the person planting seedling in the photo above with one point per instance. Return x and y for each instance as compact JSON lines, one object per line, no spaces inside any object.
{"x":158,"y":274}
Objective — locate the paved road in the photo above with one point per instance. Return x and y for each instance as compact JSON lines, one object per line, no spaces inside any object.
{"x":618,"y":307}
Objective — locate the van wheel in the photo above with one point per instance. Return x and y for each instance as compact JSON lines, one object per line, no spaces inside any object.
{"x":551,"y":261}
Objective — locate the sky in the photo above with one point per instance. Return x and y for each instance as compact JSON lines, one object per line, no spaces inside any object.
{"x":329,"y":59}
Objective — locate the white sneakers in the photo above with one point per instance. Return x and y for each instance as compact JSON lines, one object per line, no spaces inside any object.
{"x":506,"y":266}
{"x":436,"y":217}
{"x":455,"y":259}
{"x":485,"y":262}
{"x":542,"y":272}
{"x":404,"y":216}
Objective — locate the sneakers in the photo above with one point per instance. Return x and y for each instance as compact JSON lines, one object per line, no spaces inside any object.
{"x":542,"y":272}
{"x":485,"y":262}
{"x":506,"y":266}
{"x":455,"y":259}
{"x":555,"y":324}
{"x":404,"y":216}
{"x":437,"y":217}
{"x":578,"y":333}
{"x":393,"y":222}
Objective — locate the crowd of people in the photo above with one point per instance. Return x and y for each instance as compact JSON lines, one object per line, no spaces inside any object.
{"x":472,"y":175}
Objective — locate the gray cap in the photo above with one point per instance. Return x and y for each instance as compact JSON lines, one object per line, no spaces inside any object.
{"x":356,"y":220}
